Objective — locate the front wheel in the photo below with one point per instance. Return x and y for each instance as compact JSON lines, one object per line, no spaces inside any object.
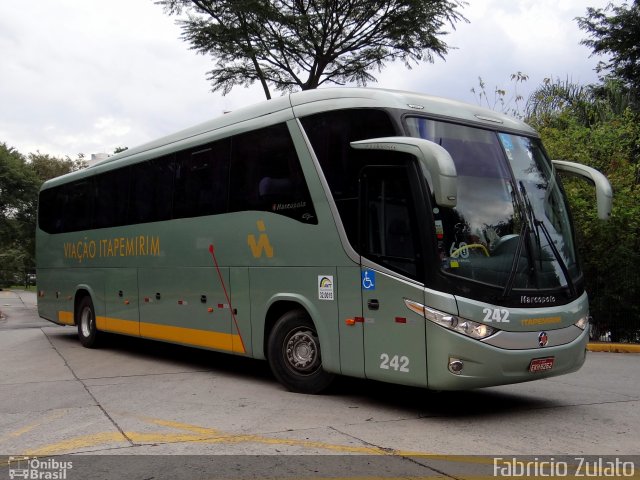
{"x":294,"y":354}
{"x":86,"y":321}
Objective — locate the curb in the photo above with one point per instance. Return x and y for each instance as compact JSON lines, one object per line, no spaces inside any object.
{"x":614,"y":347}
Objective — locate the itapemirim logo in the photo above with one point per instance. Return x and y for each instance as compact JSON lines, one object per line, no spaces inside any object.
{"x":262,"y":244}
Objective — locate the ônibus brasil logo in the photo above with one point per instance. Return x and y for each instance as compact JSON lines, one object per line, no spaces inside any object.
{"x":36,"y":469}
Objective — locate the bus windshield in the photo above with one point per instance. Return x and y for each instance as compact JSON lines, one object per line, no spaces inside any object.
{"x":510,"y":228}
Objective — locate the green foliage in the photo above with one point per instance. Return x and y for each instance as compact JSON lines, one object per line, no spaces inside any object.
{"x":18,"y":196}
{"x":47,"y":167}
{"x":303,"y":44}
{"x":610,"y":251}
{"x":20,"y":181}
{"x":588,"y":104}
{"x":614,"y":31}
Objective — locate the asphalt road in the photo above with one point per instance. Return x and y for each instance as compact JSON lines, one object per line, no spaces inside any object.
{"x":136,"y":397}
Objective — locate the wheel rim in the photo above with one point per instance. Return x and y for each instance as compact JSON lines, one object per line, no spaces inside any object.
{"x":301,"y":351}
{"x":86,"y":322}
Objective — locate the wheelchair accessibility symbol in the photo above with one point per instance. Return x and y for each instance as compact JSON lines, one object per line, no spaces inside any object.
{"x":368,"y":280}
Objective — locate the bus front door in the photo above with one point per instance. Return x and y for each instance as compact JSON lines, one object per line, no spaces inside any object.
{"x":394,"y":336}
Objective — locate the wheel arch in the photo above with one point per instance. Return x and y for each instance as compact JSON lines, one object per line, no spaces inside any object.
{"x":81,"y":292}
{"x":280,"y":304}
{"x":276,"y":310}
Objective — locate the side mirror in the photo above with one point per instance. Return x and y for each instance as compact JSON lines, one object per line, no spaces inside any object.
{"x":604,"y":194}
{"x":436,"y":163}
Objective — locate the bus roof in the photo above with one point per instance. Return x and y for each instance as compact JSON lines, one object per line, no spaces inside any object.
{"x":313,"y":101}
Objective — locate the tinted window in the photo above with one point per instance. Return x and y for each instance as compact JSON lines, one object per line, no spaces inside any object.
{"x":202,"y":179}
{"x":111,"y":198}
{"x":72,"y":207}
{"x":389,"y":221}
{"x":266,"y":175}
{"x":151,"y":190}
{"x":47,"y":218}
{"x":257,"y":170}
{"x":330,"y":134}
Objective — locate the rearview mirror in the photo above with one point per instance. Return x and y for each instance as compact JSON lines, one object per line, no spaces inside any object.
{"x":604,"y":194}
{"x":435,"y":162}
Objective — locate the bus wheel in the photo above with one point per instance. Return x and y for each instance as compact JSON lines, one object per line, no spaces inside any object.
{"x":86,"y":321}
{"x":294,"y":354}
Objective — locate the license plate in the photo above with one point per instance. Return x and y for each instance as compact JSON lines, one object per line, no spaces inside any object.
{"x":541,"y":364}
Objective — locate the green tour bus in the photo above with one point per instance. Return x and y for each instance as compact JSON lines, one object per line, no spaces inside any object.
{"x":364,"y":232}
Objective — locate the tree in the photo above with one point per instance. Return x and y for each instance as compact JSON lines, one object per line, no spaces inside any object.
{"x":302,"y":44}
{"x":616,"y":35}
{"x":609,"y":250}
{"x":595,"y":126}
{"x":18,"y":196}
{"x":20,"y":180}
{"x":47,"y":167}
{"x":588,"y":104}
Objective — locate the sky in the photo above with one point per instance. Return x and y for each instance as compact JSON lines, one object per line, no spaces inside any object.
{"x":88,"y":76}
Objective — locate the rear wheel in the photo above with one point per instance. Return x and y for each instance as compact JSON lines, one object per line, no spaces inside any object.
{"x":294,"y":354}
{"x":86,"y":321}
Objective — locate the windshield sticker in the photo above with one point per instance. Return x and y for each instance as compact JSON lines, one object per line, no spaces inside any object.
{"x":439,"y":229}
{"x":507,"y":144}
{"x":325,"y":287}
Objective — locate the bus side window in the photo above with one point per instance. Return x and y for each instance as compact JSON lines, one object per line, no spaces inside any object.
{"x":77,"y":205}
{"x":266,"y":175}
{"x":202,"y":180}
{"x":330,"y":134}
{"x":151,"y":193}
{"x":111,"y":198}
{"x":48,"y":213}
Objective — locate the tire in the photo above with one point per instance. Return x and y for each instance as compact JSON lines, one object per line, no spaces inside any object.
{"x":86,"y":321}
{"x":294,"y":354}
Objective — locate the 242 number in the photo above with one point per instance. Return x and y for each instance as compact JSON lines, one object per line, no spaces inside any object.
{"x":397,"y":363}
{"x":498,"y":315}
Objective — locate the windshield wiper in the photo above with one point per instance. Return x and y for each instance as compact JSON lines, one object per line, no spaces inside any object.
{"x":524,"y":231}
{"x":537,"y":224}
{"x":556,"y":253}
{"x":518,"y":204}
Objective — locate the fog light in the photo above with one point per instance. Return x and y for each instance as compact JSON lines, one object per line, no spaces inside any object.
{"x":455,"y":366}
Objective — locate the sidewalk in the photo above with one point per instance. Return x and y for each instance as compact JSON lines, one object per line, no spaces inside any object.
{"x":614,"y":347}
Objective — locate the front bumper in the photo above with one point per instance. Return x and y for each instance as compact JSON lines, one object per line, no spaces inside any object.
{"x":486,"y":365}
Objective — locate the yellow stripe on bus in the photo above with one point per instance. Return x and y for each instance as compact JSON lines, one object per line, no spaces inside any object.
{"x":66,"y":318}
{"x":117,"y":325}
{"x":188,"y":336}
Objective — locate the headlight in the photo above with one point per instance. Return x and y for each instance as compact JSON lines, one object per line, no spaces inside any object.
{"x":583,"y":322}
{"x":457,"y":324}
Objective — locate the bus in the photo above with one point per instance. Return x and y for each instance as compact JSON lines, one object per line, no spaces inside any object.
{"x":363,"y":232}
